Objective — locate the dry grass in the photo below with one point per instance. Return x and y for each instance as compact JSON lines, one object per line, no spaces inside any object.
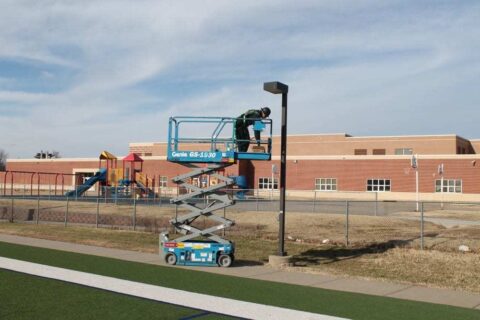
{"x":121,"y":239}
{"x":470,"y":213}
{"x":431,"y":268}
{"x":314,"y":227}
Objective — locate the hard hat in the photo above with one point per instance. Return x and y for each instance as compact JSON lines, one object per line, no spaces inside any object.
{"x":266,"y":111}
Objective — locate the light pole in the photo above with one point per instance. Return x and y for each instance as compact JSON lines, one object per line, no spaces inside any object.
{"x":276,"y":88}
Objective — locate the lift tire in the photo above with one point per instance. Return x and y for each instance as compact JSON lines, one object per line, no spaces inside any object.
{"x":225,"y":260}
{"x":171,"y":259}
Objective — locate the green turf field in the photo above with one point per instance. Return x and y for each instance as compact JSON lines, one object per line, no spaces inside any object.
{"x":29,"y":297}
{"x":342,"y":304}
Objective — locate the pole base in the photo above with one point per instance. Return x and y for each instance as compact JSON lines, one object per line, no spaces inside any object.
{"x":280,"y":261}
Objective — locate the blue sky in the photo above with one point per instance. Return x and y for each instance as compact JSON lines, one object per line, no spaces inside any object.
{"x":81,"y":77}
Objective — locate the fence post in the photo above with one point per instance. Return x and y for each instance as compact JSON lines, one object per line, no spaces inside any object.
{"x":116,"y":195}
{"x":160,"y":196}
{"x":347,"y":213}
{"x":11,"y":211}
{"x":422,"y":229}
{"x":134,"y":212}
{"x":314,"y":200}
{"x":257,"y":201}
{"x":98,"y":213}
{"x":38,"y":209}
{"x":66,"y":212}
{"x":376,"y":203}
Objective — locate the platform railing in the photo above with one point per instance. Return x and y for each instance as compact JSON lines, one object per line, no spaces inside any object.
{"x":218,"y":134}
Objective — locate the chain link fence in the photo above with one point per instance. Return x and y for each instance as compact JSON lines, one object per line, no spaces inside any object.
{"x":445,"y":226}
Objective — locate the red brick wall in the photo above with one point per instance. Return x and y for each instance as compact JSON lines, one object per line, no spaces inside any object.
{"x":351,"y":174}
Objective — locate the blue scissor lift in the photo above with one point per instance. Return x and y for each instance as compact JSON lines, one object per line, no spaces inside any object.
{"x":206,"y":157}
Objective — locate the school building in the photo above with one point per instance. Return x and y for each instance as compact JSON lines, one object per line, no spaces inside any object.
{"x":326,"y":165}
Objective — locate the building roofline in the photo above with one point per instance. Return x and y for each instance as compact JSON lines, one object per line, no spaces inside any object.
{"x":384,"y":157}
{"x":134,"y":144}
{"x":292,"y":157}
{"x":346,"y":135}
{"x":409,"y":136}
{"x":54,"y":160}
{"x":314,"y":134}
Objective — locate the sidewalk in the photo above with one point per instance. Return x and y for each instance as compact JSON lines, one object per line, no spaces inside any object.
{"x":373,"y":287}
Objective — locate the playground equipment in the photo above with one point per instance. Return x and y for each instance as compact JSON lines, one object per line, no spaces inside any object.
{"x":116,"y":180}
{"x":206,"y":157}
{"x":99,"y":176}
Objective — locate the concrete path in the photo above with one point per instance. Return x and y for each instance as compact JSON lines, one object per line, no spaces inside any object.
{"x":373,"y":287}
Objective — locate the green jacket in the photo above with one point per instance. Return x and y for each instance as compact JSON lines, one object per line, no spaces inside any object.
{"x":247,"y":119}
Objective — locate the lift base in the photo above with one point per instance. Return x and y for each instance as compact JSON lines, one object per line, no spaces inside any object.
{"x":198,"y":253}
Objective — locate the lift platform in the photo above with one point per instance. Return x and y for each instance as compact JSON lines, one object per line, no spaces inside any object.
{"x":206,"y":157}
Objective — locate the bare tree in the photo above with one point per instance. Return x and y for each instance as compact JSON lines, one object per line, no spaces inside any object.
{"x":3,"y":160}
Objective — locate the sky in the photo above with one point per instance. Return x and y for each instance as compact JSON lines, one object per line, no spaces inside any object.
{"x":80,"y":77}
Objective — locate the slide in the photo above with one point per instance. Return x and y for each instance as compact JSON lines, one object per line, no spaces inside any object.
{"x":99,"y":176}
{"x":146,"y":190}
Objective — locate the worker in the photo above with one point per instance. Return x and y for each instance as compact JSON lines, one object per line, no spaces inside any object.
{"x":243,"y":122}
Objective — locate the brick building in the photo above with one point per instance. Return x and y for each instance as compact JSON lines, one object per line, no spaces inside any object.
{"x":334,"y":165}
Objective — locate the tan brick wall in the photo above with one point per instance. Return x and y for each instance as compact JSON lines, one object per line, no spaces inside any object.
{"x":342,"y":144}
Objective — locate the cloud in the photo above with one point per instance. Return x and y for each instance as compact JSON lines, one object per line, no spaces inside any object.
{"x":89,"y":76}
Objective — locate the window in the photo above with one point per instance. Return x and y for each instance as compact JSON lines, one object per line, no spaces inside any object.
{"x":163,"y":181}
{"x":266,"y":183}
{"x":403,"y":151}
{"x":378,"y":185}
{"x":360,"y":152}
{"x":449,"y":185}
{"x":86,"y":176}
{"x":378,"y":152}
{"x":326,"y":184}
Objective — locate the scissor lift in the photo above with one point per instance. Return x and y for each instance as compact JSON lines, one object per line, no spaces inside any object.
{"x":206,"y":157}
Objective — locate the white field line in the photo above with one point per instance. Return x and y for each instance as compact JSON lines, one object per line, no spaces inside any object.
{"x":178,"y":297}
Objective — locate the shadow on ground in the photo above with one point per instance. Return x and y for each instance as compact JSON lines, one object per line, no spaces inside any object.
{"x":335,"y":254}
